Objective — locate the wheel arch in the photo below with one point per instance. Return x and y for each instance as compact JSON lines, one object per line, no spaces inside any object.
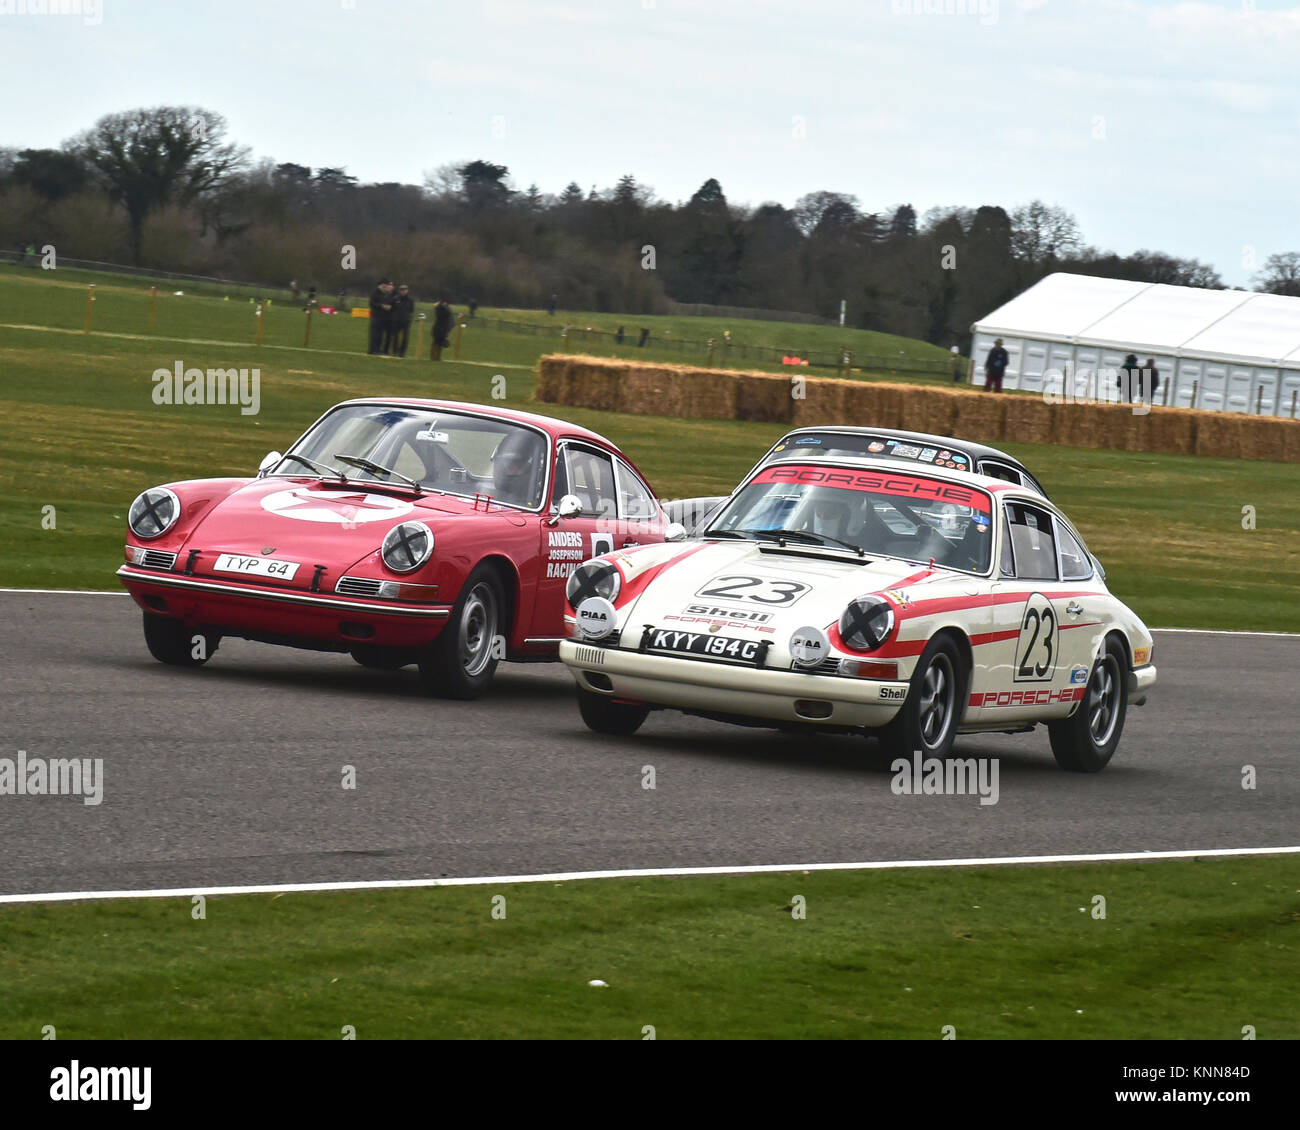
{"x":966,"y":654}
{"x":511,"y":589}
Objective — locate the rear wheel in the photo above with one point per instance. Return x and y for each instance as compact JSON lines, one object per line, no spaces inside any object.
{"x":460,"y":663}
{"x":606,"y":716}
{"x":1086,"y":741}
{"x":171,"y":642}
{"x":929,"y":717}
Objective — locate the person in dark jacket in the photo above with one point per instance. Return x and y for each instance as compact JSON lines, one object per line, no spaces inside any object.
{"x":1153,"y":376}
{"x":402,"y":316}
{"x":443,"y":320}
{"x":995,"y":366}
{"x":1129,"y":375}
{"x":381,"y":308}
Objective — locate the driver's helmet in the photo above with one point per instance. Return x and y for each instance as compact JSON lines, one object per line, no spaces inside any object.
{"x":828,"y":514}
{"x":517,"y":466}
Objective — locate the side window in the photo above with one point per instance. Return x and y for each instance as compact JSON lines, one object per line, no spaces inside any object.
{"x":1075,"y":563}
{"x":590,"y":476}
{"x":1033,"y":541}
{"x":560,"y":485}
{"x":1007,"y":566}
{"x":635,"y":501}
{"x":1000,"y":471}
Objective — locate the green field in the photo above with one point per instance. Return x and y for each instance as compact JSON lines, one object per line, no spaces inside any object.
{"x":1187,"y":950}
{"x":82,"y":434}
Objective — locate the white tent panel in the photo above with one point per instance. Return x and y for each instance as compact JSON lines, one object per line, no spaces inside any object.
{"x":1162,"y":317}
{"x":1229,"y":350}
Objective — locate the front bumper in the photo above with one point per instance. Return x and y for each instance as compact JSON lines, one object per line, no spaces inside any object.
{"x":1140,"y":680}
{"x":743,"y":692}
{"x":263,"y":610}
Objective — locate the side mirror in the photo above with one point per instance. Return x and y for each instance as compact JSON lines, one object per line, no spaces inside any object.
{"x":675,"y":532}
{"x":269,"y":461}
{"x":570,"y":507}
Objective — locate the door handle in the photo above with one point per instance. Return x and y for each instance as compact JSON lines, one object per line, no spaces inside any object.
{"x":630,"y":544}
{"x":1074,"y":608}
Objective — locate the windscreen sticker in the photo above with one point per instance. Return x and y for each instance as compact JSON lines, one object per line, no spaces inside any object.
{"x":878,"y":482}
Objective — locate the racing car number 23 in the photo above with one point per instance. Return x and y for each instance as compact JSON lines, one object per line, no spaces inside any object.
{"x":760,"y":590}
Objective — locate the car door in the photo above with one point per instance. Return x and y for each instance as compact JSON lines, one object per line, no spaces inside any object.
{"x":1036,"y":651}
{"x":588,"y":473}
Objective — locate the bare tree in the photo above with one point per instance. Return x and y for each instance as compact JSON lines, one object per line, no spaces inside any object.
{"x":1041,"y":233}
{"x":149,"y":158}
{"x":1281,"y":274}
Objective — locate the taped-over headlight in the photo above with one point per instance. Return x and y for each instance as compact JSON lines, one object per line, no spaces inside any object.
{"x":154,"y":512}
{"x":866,"y":623}
{"x":407,"y":546}
{"x":595,"y":578}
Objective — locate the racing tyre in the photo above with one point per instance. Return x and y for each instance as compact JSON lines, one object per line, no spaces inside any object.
{"x":1085,"y":742}
{"x":380,"y":658}
{"x":929,"y":717}
{"x":170,"y":641}
{"x":460,"y":663}
{"x":606,"y":716}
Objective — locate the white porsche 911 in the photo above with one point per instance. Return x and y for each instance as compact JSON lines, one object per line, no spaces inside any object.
{"x":853,"y":594}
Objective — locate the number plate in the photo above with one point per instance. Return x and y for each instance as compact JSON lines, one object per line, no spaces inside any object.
{"x":707,"y":645}
{"x":256,"y":566}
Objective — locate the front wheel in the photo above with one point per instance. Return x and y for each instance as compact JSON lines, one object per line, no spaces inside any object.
{"x":928,"y":719}
{"x":460,"y":663}
{"x":171,"y":642}
{"x":1086,"y":741}
{"x":606,"y":716}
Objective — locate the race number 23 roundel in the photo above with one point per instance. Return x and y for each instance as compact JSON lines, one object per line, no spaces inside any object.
{"x":1036,"y":647}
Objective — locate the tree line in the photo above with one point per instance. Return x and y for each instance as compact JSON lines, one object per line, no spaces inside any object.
{"x":165,"y":187}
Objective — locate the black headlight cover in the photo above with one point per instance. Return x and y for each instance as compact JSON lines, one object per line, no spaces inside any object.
{"x":866,"y":623}
{"x":595,"y":578}
{"x":407,"y":546}
{"x":153,"y":512}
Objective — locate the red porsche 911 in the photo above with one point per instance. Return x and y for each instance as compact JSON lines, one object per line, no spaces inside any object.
{"x":402,"y":531}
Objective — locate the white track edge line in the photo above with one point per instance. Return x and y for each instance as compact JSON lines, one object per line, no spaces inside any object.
{"x":667,"y":872}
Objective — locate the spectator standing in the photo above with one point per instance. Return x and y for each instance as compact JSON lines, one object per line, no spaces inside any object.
{"x":1153,"y":375}
{"x":1128,"y":377}
{"x":618,"y":337}
{"x":995,"y":367}
{"x":381,"y":308}
{"x":443,"y":320}
{"x":553,"y":305}
{"x":645,"y":336}
{"x":402,"y":316}
{"x":473,"y":307}
{"x":958,"y":366}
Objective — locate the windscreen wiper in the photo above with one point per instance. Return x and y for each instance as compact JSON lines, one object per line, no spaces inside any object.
{"x":815,"y":539}
{"x":378,"y":469}
{"x":325,"y":472}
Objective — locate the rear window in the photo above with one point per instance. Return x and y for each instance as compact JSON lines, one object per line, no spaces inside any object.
{"x":837,"y":444}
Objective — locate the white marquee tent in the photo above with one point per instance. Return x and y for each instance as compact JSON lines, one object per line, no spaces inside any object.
{"x":1231,"y":350}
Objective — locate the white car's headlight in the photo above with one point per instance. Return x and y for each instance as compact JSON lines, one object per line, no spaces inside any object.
{"x":407,"y":546}
{"x":595,"y":578}
{"x":153,"y":512}
{"x":866,"y":623}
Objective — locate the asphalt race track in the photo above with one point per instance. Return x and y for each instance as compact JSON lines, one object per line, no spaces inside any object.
{"x":232,"y":774}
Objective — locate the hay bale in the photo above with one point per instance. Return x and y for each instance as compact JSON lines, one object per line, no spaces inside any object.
{"x":764,"y":397}
{"x":593,"y":382}
{"x":552,"y":379}
{"x":1290,"y":430}
{"x":1263,"y":438}
{"x":1086,"y":425}
{"x":930,"y":410}
{"x":648,"y":390}
{"x":711,"y":394}
{"x":1220,"y":435}
{"x":1171,"y":430}
{"x":823,"y":405}
{"x":980,"y":417}
{"x":1026,"y":419}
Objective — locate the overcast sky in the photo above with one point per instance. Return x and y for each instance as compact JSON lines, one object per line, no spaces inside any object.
{"x":1165,"y":125}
